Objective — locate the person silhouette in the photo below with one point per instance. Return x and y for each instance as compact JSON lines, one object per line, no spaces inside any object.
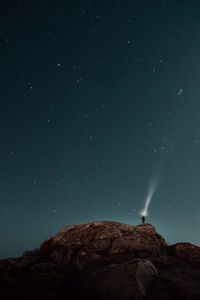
{"x":143,"y":219}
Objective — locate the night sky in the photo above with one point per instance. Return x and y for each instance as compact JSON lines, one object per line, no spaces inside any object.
{"x":98,"y":99}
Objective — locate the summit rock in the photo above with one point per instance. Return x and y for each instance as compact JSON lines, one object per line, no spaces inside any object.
{"x":105,"y":242}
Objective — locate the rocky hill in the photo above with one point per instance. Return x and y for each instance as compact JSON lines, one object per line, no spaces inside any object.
{"x":104,"y":260}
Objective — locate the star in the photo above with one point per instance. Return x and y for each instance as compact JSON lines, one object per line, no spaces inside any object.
{"x":179,"y":92}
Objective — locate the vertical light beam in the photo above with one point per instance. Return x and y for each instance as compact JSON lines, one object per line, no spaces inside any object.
{"x":151,"y":191}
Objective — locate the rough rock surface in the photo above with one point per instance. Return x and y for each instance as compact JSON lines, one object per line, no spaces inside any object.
{"x":104,"y":260}
{"x":102,"y":242}
{"x":185,"y":251}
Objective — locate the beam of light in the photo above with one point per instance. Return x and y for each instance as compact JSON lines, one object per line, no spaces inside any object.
{"x":151,"y":191}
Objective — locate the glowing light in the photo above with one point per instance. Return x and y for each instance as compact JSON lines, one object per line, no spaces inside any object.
{"x":152,"y":189}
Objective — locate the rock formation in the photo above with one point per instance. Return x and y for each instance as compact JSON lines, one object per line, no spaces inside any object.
{"x":104,"y":260}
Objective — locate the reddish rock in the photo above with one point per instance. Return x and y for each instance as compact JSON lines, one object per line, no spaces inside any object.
{"x":186,"y":251}
{"x":104,"y":260}
{"x":110,"y":240}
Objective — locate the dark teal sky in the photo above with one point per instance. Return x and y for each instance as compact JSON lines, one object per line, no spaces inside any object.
{"x":98,"y":98}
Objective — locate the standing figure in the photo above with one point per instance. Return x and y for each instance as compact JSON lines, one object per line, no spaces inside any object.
{"x":143,"y":219}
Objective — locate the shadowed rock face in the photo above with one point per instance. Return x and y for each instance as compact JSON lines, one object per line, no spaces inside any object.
{"x":104,"y":260}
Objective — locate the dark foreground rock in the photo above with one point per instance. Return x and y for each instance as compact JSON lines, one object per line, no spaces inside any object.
{"x":104,"y":260}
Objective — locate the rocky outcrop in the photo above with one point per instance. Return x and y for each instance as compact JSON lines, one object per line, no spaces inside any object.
{"x":185,"y":251}
{"x":102,"y":242}
{"x":104,"y":260}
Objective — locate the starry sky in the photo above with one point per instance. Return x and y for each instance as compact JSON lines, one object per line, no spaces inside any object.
{"x":98,"y":98}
